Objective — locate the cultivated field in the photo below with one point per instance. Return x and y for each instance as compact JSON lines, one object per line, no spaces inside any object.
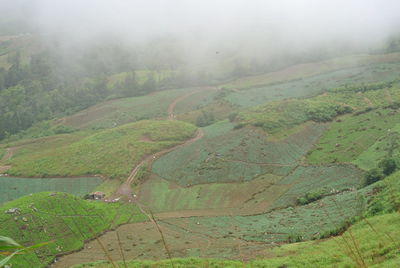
{"x":12,"y":188}
{"x":111,"y":153}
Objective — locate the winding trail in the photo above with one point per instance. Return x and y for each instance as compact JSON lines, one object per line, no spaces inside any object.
{"x":125,"y":189}
{"x":9,"y":153}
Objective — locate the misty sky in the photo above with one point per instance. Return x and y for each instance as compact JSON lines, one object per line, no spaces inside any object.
{"x":254,"y":24}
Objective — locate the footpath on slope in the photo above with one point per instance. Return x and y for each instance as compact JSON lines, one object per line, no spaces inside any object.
{"x":9,"y":153}
{"x":125,"y":189}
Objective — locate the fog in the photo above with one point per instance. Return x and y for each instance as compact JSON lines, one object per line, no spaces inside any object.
{"x":257,"y":28}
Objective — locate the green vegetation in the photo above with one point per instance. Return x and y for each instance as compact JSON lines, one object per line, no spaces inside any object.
{"x":245,"y":198}
{"x":348,"y":138}
{"x":12,"y":188}
{"x":10,"y":248}
{"x":301,"y":71}
{"x":275,"y":117}
{"x":228,"y":155}
{"x":62,"y":219}
{"x":121,"y":111}
{"x":310,"y":221}
{"x":309,"y":86}
{"x":316,"y":156}
{"x":111,"y":152}
{"x":310,"y":197}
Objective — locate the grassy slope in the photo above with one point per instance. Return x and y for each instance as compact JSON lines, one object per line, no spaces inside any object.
{"x":352,"y":137}
{"x":13,"y":188}
{"x":228,"y":155}
{"x":376,"y":245}
{"x":374,"y":237}
{"x":111,"y":152}
{"x":62,"y":218}
{"x":277,"y":117}
{"x":122,"y":111}
{"x":310,"y":69}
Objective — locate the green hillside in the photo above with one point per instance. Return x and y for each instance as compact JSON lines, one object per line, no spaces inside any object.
{"x":111,"y":153}
{"x":61,"y":219}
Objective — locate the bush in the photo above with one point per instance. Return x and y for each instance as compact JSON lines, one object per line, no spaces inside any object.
{"x":232,"y":117}
{"x":205,"y":119}
{"x":310,"y":197}
{"x":62,"y":129}
{"x":388,"y":166}
{"x":373,"y":175}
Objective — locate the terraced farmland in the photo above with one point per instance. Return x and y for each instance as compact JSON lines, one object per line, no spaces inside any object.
{"x":228,"y":155}
{"x":348,"y":138}
{"x":64,"y":220}
{"x":306,"y":222}
{"x":12,"y":188}
{"x":117,"y":112}
{"x":313,"y":85}
{"x":111,"y":152}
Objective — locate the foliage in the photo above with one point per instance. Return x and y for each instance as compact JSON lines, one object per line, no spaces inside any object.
{"x":386,"y":195}
{"x":62,"y":218}
{"x":121,"y":111}
{"x":388,"y":166}
{"x":10,"y":248}
{"x":310,"y":197}
{"x":228,"y":155}
{"x":373,"y":175}
{"x":348,"y":138}
{"x":205,"y":119}
{"x":111,"y":152}
{"x":320,"y":82}
{"x":12,"y":188}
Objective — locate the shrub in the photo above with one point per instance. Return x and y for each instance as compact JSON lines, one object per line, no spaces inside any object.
{"x":232,"y":117}
{"x":373,"y":175}
{"x":205,"y":119}
{"x":62,"y":129}
{"x":310,"y":197}
{"x":388,"y":166}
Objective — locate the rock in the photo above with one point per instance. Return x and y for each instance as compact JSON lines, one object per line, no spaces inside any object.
{"x":24,"y":219}
{"x":13,"y":211}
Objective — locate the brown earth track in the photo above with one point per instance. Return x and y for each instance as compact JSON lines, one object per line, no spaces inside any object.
{"x":9,"y":153}
{"x":171,"y":107}
{"x":125,"y":189}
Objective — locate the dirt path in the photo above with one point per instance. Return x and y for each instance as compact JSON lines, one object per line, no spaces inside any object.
{"x":125,"y":189}
{"x":171,"y":107}
{"x":9,"y":153}
{"x":368,"y":101}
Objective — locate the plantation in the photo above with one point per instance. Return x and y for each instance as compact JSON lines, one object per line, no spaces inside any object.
{"x":279,"y":116}
{"x":302,"y":153}
{"x":328,"y":179}
{"x":313,"y":85}
{"x":61,"y":219}
{"x":229,"y":155}
{"x":240,"y":198}
{"x":12,"y":188}
{"x":121,"y":111}
{"x":307,"y":222}
{"x":352,"y":135}
{"x":111,"y":153}
{"x":300,"y":71}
